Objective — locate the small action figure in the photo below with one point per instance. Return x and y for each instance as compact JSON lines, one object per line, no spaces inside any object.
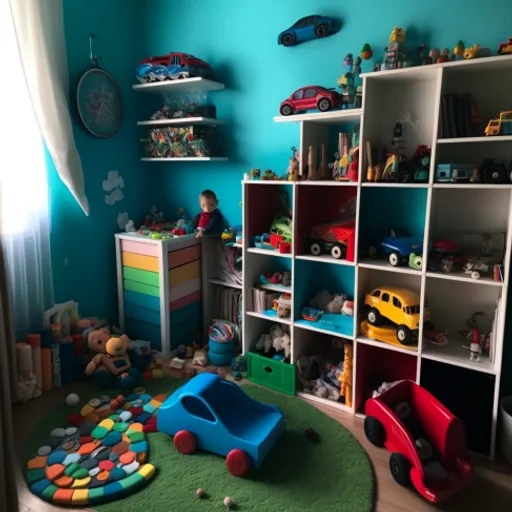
{"x":209,"y":220}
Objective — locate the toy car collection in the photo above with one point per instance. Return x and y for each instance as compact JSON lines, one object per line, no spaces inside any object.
{"x":396,"y":245}
{"x":173,"y":66}
{"x":307,"y":28}
{"x":309,"y":98}
{"x":397,"y":305}
{"x":427,"y":442}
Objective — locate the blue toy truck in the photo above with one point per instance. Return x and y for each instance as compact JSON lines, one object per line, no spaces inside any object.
{"x":396,"y":245}
{"x":216,"y":415}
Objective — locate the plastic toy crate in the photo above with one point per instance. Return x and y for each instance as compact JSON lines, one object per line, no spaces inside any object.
{"x":271,"y":373}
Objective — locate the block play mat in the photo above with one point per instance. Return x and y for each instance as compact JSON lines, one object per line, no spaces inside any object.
{"x":99,"y":455}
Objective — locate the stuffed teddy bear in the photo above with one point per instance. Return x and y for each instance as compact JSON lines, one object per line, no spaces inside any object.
{"x":112,"y":361}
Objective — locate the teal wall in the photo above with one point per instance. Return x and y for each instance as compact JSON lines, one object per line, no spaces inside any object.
{"x":87,"y":243}
{"x":239,"y":39}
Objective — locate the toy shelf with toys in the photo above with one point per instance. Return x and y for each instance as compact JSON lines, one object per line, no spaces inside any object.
{"x":400,"y":252}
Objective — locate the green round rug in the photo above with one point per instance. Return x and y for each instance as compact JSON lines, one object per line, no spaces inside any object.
{"x":334,"y":474}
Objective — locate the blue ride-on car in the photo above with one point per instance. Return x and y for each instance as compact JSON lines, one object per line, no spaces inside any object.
{"x":396,"y":245}
{"x":216,"y":415}
{"x":310,"y":27}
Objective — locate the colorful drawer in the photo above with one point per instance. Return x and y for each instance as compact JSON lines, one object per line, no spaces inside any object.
{"x":159,"y":289}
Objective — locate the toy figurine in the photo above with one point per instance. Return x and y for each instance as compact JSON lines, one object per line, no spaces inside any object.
{"x":209,"y":220}
{"x":434,"y":54}
{"x":471,"y":52}
{"x":269,"y":175}
{"x":422,"y":158}
{"x":293,"y":165}
{"x":346,"y":376}
{"x":366,"y":52}
{"x":505,"y":48}
{"x":254,"y":174}
{"x":347,"y":82}
{"x":444,"y":57}
{"x":395,"y":52}
{"x":458,"y":50}
{"x":353,"y":167}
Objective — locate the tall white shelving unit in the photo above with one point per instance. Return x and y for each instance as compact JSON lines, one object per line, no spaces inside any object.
{"x":412,"y":95}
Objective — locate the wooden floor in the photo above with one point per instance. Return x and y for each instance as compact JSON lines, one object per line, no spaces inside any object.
{"x":490,"y":492}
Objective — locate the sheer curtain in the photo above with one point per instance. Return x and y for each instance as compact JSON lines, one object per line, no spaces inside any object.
{"x":24,"y":214}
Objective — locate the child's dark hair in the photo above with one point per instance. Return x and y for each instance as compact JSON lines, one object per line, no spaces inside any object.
{"x":209,"y":194}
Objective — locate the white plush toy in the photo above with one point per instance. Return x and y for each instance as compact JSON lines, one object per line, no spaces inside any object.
{"x":348,"y":308}
{"x":283,"y":343}
{"x":264,"y":343}
{"x":321,"y":299}
{"x":335,"y":305}
{"x":275,"y":331}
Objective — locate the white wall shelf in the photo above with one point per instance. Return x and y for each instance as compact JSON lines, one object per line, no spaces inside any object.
{"x":187,"y":159}
{"x":473,"y":140}
{"x":330,"y":117}
{"x":435,"y":208}
{"x":271,"y":318}
{"x":267,"y":252}
{"x":187,"y":85}
{"x":181,"y":121}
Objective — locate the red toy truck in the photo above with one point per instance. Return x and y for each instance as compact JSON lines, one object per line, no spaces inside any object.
{"x":425,"y":421}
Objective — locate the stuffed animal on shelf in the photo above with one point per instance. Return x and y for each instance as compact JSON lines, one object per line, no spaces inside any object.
{"x":112,"y":361}
{"x":348,"y":308}
{"x":320,"y":300}
{"x":282,"y":343}
{"x":346,"y":377}
{"x":336,"y":304}
{"x":264,"y":343}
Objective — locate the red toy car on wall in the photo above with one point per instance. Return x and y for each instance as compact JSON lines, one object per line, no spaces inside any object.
{"x":427,"y":442}
{"x":309,"y":98}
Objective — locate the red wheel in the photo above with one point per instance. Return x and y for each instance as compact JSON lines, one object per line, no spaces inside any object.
{"x":185,"y":441}
{"x":238,"y":462}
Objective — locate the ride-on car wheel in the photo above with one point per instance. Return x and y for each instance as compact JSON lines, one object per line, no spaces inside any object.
{"x":315,"y":249}
{"x":337,"y":252}
{"x":374,"y":317}
{"x":238,"y":462}
{"x":287,"y":39}
{"x":374,"y":431}
{"x":321,"y":30}
{"x":400,"y":468}
{"x":185,"y":442}
{"x":404,"y":334}
{"x":394,"y":259}
{"x":324,"y":104}
{"x":286,"y":110}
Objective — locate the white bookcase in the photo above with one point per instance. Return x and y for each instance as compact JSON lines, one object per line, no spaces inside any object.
{"x":412,"y":95}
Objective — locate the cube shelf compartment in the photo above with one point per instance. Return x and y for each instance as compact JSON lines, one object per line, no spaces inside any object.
{"x":430,"y":210}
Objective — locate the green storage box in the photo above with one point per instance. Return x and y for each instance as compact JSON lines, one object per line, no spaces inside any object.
{"x":271,"y":373}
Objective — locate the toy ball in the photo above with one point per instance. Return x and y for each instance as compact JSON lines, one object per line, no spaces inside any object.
{"x":72,"y":399}
{"x":228,"y":502}
{"x":200,"y":492}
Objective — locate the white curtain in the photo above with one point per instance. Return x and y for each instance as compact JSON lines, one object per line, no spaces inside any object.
{"x":40,"y":34}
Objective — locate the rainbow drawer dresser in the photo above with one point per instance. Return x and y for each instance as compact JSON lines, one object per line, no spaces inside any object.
{"x":159,"y":289}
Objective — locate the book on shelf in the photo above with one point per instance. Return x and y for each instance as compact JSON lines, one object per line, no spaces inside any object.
{"x":262,"y":300}
{"x":459,"y":113}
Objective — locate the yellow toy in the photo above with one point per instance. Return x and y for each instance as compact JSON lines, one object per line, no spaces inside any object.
{"x":501,"y":126}
{"x":114,"y":362}
{"x":397,"y":305}
{"x":346,"y":377}
{"x":470,"y":53}
{"x":397,"y":35}
{"x":391,"y":168}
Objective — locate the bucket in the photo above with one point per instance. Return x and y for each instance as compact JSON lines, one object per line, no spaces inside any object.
{"x":506,"y":428}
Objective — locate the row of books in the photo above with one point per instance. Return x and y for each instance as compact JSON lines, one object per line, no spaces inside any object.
{"x":459,"y":113}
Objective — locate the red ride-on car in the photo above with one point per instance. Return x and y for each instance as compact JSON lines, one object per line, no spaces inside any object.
{"x":420,"y":433}
{"x":309,"y":98}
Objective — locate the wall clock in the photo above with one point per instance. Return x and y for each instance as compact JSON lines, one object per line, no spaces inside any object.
{"x":99,"y":100}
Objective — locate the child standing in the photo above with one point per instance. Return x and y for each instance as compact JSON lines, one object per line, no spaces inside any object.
{"x":209,"y":220}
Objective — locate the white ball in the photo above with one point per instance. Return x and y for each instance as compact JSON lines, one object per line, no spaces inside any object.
{"x":72,"y":399}
{"x":228,"y":501}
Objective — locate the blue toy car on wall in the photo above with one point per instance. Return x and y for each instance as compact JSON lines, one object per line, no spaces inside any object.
{"x":396,"y":245}
{"x":216,"y":415}
{"x":310,"y":27}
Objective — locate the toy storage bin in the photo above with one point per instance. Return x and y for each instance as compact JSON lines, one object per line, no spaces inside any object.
{"x":271,"y":373}
{"x":506,"y":428}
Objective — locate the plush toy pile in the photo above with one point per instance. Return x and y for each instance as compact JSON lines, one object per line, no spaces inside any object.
{"x":275,"y":344}
{"x":100,"y":455}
